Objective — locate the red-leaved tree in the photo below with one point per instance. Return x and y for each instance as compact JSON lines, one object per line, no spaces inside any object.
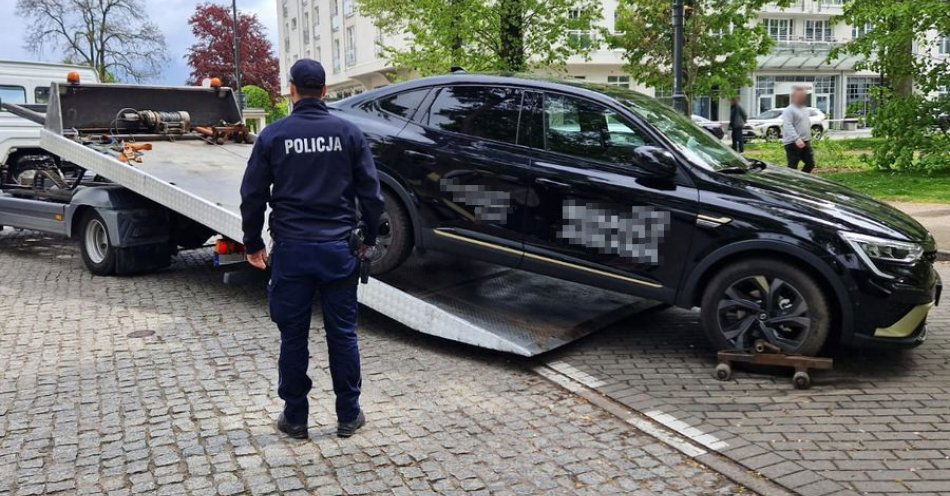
{"x":213,"y":54}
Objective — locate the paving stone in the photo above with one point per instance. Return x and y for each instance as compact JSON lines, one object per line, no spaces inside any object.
{"x":879,"y":416}
{"x":189,"y":408}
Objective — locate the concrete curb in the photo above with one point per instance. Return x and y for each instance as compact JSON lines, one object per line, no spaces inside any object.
{"x":692,"y":448}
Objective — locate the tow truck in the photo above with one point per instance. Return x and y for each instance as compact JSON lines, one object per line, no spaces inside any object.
{"x":158,"y":169}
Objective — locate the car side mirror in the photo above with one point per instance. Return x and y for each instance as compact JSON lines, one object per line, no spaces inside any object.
{"x":656,"y":161}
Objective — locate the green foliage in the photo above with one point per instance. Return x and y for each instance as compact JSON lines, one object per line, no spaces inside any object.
{"x":278,"y":111}
{"x":722,"y":43}
{"x":256,"y":97}
{"x":482,"y":35}
{"x":904,"y":115}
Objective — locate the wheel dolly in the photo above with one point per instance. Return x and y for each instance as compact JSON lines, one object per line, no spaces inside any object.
{"x":765,"y":353}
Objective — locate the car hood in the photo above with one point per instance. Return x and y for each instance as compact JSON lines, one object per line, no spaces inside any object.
{"x":758,"y":122}
{"x":807,"y":196}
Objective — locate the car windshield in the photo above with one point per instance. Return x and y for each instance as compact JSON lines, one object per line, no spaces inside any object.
{"x":770,"y":114}
{"x":696,"y":143}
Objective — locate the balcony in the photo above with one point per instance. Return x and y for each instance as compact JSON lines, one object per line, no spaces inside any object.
{"x":828,"y":7}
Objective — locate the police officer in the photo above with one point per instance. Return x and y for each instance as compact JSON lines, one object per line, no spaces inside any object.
{"x":311,"y":167}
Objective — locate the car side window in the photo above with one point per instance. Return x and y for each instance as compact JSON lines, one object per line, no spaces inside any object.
{"x":483,"y":111}
{"x":585,"y":129}
{"x":403,"y":104}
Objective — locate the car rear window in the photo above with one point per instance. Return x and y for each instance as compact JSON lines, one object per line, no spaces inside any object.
{"x":486,"y":112}
{"x":403,"y":104}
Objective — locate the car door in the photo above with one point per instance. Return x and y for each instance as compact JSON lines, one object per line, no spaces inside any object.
{"x":597,"y":217}
{"x":469,"y":171}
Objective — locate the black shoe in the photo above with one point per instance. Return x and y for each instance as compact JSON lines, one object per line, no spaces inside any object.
{"x":296,"y":431}
{"x":347,"y":429}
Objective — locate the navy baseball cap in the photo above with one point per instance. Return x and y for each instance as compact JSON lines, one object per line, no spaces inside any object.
{"x":308,"y":73}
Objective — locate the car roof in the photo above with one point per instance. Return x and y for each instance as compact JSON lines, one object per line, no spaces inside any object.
{"x":601,"y":92}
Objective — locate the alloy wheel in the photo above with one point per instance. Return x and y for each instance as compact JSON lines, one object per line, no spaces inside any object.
{"x":761,"y":307}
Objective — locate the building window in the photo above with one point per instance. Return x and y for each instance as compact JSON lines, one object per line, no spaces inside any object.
{"x":619,"y":81}
{"x":779,"y":29}
{"x":859,"y":31}
{"x":378,"y":51}
{"x":293,"y":23}
{"x":348,"y":7}
{"x":817,"y":30}
{"x":858,"y":98}
{"x":336,"y":56}
{"x":945,"y":45}
{"x":306,"y":32}
{"x":350,"y":46}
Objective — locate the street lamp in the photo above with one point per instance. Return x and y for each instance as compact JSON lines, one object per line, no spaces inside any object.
{"x":679,"y":98}
{"x":237,"y":53}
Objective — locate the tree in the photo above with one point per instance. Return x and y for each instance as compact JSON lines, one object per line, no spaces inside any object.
{"x":901,"y":47}
{"x":484,"y":35}
{"x":723,"y":41}
{"x":111,"y":36}
{"x":213,"y":54}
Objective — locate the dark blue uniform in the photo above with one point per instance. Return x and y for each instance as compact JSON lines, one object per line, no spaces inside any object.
{"x":311,"y":167}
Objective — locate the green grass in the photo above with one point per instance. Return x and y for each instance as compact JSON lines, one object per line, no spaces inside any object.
{"x":831,"y":155}
{"x":907,"y":186}
{"x":845,"y":161}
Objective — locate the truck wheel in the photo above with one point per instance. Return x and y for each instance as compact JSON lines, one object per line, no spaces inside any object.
{"x":765,"y":299}
{"x":97,"y":251}
{"x":394,"y":242}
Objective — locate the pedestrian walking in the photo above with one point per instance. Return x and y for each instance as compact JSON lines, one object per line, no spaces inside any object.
{"x":796,"y":132}
{"x":737,"y":118}
{"x":311,"y":168}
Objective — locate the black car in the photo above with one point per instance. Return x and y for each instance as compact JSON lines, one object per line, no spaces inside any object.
{"x":610,"y":188}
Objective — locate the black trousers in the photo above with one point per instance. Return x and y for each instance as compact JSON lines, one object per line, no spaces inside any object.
{"x":298,"y":269}
{"x":738,"y":140}
{"x":796,"y":155}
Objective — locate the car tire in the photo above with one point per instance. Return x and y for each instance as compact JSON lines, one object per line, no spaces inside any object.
{"x":98,"y":252}
{"x":395,"y":239}
{"x":763,"y":298}
{"x":773,"y":134}
{"x":817,"y":132}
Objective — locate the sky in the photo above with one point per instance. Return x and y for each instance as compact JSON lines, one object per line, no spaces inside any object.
{"x":171,"y":16}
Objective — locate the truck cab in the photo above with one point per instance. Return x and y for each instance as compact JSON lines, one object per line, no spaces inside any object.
{"x":28,"y":83}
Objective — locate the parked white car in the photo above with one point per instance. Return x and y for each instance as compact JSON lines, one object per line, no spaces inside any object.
{"x":768,"y":124}
{"x":28,"y":83}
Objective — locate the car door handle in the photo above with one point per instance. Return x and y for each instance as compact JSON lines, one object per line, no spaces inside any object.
{"x":420,"y":156}
{"x":552,"y":183}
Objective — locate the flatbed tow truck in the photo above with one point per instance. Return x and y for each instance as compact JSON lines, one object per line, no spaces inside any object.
{"x":157,"y":169}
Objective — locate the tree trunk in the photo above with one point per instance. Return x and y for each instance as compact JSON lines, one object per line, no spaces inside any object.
{"x":457,"y":37}
{"x":904,"y":83}
{"x":512,"y":34}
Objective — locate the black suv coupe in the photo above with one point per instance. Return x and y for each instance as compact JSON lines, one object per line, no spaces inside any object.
{"x":613,"y":189}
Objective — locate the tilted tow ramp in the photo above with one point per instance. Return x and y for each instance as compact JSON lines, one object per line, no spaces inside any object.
{"x":475,"y":303}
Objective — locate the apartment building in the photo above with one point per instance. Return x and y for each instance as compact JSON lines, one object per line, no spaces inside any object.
{"x":347,"y":43}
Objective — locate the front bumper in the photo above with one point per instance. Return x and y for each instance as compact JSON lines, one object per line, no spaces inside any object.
{"x":894,"y":315}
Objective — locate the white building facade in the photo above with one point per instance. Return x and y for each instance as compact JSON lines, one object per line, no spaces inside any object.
{"x":332,"y":32}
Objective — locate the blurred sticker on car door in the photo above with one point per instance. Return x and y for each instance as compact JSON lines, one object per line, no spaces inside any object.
{"x":635,"y":234}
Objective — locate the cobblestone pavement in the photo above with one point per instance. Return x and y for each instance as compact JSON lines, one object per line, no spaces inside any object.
{"x":878,"y":424}
{"x":165,"y":384}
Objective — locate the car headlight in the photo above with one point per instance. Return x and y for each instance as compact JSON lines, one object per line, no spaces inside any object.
{"x":871,"y":248}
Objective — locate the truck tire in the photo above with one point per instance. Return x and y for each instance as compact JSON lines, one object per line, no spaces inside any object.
{"x":395,"y":240}
{"x":763,"y":298}
{"x":98,"y":252}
